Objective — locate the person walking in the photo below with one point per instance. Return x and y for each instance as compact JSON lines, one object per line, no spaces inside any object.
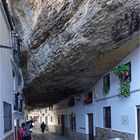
{"x":27,"y":131}
{"x":22,"y":132}
{"x":43,"y":127}
{"x":28,"y":126}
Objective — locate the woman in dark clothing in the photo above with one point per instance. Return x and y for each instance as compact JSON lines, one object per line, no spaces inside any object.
{"x":43,"y":126}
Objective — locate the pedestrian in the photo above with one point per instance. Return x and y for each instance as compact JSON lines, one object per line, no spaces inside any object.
{"x":43,"y":126}
{"x":22,"y":132}
{"x":27,"y":131}
{"x":28,"y":126}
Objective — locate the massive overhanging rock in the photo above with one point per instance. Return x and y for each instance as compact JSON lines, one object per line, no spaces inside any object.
{"x":69,"y":44}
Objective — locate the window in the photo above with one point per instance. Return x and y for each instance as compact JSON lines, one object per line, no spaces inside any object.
{"x":72,"y":118}
{"x":7,"y":116}
{"x":14,"y":81}
{"x":16,"y":102}
{"x":107,"y":117}
{"x":51,"y":119}
{"x":88,"y":98}
{"x":13,"y":73}
{"x":46,"y":120}
{"x":46,"y":110}
{"x":106,"y":83}
{"x":21,"y":106}
{"x":59,"y":120}
{"x":50,"y":108}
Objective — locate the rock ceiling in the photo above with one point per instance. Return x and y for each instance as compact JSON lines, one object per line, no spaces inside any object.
{"x":69,"y":44}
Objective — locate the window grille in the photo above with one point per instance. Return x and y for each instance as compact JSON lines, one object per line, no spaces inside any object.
{"x":7,"y":116}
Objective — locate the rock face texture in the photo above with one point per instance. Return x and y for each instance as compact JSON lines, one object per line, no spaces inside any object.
{"x":70,"y":44}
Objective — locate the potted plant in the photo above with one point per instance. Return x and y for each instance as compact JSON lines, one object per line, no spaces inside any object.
{"x":87,"y":101}
{"x":123,"y":72}
{"x":125,"y":88}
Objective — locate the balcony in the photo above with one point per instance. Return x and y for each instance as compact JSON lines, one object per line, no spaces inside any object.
{"x":18,"y":102}
{"x":16,"y":42}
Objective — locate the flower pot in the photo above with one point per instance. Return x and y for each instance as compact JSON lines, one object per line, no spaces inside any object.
{"x":126,"y":73}
{"x":87,"y":101}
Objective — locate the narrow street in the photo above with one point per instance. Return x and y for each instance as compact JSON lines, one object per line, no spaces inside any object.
{"x":37,"y":135}
{"x":70,"y":68}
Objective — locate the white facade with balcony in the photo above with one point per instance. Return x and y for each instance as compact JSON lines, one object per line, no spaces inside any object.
{"x":10,"y":78}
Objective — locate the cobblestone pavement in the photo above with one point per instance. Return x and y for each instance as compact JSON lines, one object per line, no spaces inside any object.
{"x":37,"y":135}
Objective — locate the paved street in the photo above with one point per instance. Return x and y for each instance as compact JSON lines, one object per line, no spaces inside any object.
{"x":36,"y":135}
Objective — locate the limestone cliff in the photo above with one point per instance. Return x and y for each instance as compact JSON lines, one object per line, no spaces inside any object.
{"x":69,"y":44}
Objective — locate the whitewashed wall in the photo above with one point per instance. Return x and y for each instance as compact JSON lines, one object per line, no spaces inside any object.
{"x":6,"y":90}
{"x":120,"y":107}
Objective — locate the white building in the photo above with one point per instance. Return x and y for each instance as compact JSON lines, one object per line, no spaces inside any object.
{"x":99,"y":114}
{"x":38,"y":116}
{"x":11,"y":83}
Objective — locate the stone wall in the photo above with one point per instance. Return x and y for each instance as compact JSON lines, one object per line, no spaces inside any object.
{"x":68,"y":132}
{"x":104,"y":134}
{"x":101,"y":133}
{"x":76,"y":135}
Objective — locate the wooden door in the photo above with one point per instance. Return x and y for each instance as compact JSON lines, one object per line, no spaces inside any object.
{"x":90,"y":126}
{"x":62,"y":125}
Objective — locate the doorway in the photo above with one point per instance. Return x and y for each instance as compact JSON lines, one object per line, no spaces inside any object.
{"x":66,"y":125}
{"x":62,"y":125}
{"x":46,"y":120}
{"x":138,"y":121}
{"x":90,"y":126}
